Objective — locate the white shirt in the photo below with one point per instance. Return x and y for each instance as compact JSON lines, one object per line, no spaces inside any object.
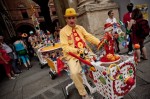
{"x":6,"y":48}
{"x":109,"y":20}
{"x":112,"y":21}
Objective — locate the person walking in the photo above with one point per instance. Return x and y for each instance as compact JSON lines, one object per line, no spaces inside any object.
{"x":126,"y":20}
{"x":10,"y":52}
{"x":137,"y":25}
{"x":22,"y":52}
{"x":73,"y":39}
{"x":5,"y":61}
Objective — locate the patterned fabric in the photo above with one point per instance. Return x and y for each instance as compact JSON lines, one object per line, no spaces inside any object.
{"x":79,"y":43}
{"x":67,"y":40}
{"x":109,"y":46}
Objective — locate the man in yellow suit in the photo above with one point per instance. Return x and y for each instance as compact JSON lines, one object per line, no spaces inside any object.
{"x":73,"y":39}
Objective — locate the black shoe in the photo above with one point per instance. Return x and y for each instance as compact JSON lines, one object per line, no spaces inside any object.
{"x":30,"y":66}
{"x":27,"y":68}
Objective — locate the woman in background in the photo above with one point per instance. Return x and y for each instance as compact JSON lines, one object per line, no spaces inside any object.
{"x":137,"y":39}
{"x":5,"y":61}
{"x":20,"y":48}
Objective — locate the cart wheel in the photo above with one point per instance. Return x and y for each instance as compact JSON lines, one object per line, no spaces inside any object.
{"x":65,"y":94}
{"x":52,"y":75}
{"x":89,"y":93}
{"x":87,"y":89}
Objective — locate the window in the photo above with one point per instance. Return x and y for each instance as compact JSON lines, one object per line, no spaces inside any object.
{"x":40,"y":14}
{"x":24,"y":13}
{"x":23,"y":10}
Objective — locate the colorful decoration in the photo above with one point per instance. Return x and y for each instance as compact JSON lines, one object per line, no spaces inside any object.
{"x":113,"y":75}
{"x":129,"y":81}
{"x":79,"y":43}
{"x":112,"y":80}
{"x":35,"y":21}
{"x":124,"y":39}
{"x":34,"y":17}
{"x":108,"y":43}
{"x":118,"y":80}
{"x":136,"y":46}
{"x":92,"y":68}
{"x":102,"y":80}
{"x":60,"y":65}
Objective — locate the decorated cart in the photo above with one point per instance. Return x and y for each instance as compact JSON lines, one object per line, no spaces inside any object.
{"x":113,"y":79}
{"x":51,"y":52}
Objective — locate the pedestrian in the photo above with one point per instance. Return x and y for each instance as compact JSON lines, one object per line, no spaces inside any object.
{"x":136,"y":34}
{"x":111,"y":19}
{"x":5,"y":61}
{"x":21,"y":50}
{"x":10,"y":52}
{"x":73,"y":39}
{"x":126,"y":20}
{"x":33,"y":41}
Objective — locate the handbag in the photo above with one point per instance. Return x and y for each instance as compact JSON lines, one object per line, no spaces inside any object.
{"x":22,"y":52}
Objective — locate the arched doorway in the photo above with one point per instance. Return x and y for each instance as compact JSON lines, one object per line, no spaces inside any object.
{"x":24,"y":28}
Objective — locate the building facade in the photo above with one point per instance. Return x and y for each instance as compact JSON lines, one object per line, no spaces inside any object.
{"x":21,"y":12}
{"x":6,"y":26}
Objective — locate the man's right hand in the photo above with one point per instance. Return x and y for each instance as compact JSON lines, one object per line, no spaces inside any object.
{"x":80,"y":51}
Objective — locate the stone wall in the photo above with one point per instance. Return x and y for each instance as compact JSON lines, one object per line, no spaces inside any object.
{"x":93,"y":16}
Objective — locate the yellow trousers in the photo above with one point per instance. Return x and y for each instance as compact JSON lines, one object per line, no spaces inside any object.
{"x":76,"y":76}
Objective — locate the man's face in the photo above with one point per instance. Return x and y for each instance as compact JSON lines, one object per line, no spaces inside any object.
{"x":111,"y":15}
{"x":130,"y":8}
{"x":71,"y":21}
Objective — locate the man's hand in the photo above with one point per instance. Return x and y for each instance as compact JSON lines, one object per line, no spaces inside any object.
{"x":101,"y":43}
{"x":80,"y":51}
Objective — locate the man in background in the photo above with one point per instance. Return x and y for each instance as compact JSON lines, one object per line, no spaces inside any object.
{"x":126,"y":20}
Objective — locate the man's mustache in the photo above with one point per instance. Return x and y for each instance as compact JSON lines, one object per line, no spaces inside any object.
{"x":71,"y":22}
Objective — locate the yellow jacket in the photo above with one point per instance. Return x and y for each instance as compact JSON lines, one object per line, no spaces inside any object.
{"x":67,"y":40}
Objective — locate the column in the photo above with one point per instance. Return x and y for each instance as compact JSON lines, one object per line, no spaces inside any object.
{"x":84,"y":2}
{"x":60,"y":10}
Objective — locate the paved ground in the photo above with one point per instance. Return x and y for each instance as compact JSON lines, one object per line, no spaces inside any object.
{"x":36,"y":83}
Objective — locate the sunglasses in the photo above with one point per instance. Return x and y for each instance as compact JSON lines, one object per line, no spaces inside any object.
{"x":71,"y":17}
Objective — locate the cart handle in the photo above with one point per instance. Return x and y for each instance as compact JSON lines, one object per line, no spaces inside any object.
{"x":80,"y":59}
